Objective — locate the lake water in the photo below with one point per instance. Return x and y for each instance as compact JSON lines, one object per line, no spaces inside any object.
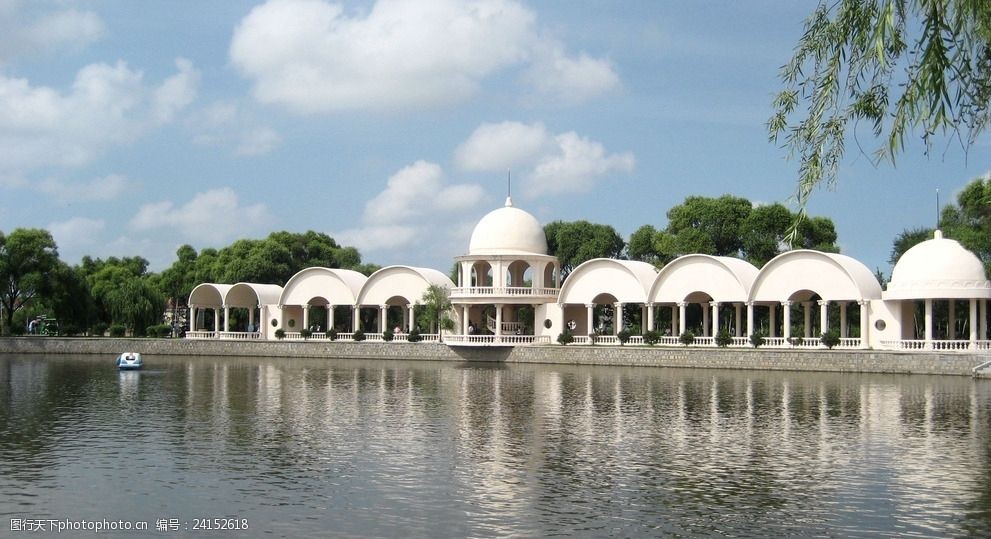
{"x":326,"y":448}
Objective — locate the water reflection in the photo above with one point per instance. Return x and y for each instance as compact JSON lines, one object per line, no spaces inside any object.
{"x":317,"y":448}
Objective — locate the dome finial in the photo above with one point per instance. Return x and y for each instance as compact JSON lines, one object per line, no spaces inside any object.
{"x":509,"y":188}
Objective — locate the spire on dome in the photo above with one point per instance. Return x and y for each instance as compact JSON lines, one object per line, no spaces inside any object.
{"x":509,"y":188}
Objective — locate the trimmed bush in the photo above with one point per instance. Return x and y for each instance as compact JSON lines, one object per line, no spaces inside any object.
{"x":593,"y":337}
{"x":99,"y":329}
{"x":652,"y":337}
{"x":280,"y":334}
{"x":358,"y":336}
{"x":757,"y":340}
{"x":687,"y":338}
{"x":387,"y":335}
{"x":624,"y":336}
{"x":795,"y":341}
{"x":414,"y":336}
{"x":331,"y":334}
{"x":117,"y":330}
{"x":830,"y":338}
{"x":566,"y":338}
{"x":723,"y":338}
{"x":159,"y":331}
{"x":305,"y":333}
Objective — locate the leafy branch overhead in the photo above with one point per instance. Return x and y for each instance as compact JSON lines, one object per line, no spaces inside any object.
{"x":901,"y":66}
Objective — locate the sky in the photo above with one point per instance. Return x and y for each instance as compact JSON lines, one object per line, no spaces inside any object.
{"x":131,"y":128}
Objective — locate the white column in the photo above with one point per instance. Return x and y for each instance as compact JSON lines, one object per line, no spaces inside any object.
{"x":823,"y":316}
{"x":589,"y":317}
{"x":330,"y":317}
{"x":807,"y":330}
{"x":843,"y":330}
{"x":674,"y":320}
{"x":383,"y":318}
{"x":973,"y":323}
{"x":650,"y":317}
{"x":951,"y":325}
{"x":772,"y":325}
{"x":251,"y":316}
{"x":306,"y":317}
{"x":786,"y":329}
{"x":681,"y":317}
{"x":356,"y":318}
{"x":705,"y":320}
{"x":617,"y":318}
{"x":738,"y":319}
{"x":715,"y":318}
{"x":216,"y":319}
{"x":498,"y":331}
{"x":464,"y":320}
{"x":750,"y":318}
{"x":192,"y":318}
{"x":983,"y":326}
{"x":411,"y":317}
{"x":929,"y":323}
{"x":865,"y":324}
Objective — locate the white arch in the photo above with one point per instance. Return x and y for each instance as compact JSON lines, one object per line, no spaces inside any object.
{"x":209,"y":295}
{"x":627,"y":280}
{"x":833,"y":276}
{"x":723,"y":278}
{"x":404,"y":281}
{"x":250,"y":295}
{"x":336,"y":286}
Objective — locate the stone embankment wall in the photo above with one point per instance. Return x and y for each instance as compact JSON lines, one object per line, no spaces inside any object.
{"x":960,"y":364}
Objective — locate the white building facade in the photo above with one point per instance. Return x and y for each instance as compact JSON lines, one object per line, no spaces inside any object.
{"x":509,"y":292}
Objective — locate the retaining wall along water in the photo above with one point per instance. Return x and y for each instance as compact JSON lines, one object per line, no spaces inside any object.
{"x":876,"y":361}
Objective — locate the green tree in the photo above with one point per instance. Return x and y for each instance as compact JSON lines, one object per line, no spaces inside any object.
{"x":578,"y":241}
{"x":708,"y":223}
{"x":642,"y":245}
{"x":763,"y":233}
{"x":436,"y":302}
{"x":896,"y":65}
{"x":906,"y":240}
{"x":28,"y":257}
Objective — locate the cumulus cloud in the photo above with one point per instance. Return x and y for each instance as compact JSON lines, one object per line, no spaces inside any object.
{"x":415,"y":200}
{"x":548,"y":164}
{"x":225,"y":124}
{"x":106,"y":105}
{"x":213,"y":216}
{"x":570,"y":80}
{"x":258,"y":141}
{"x":63,"y":29}
{"x":104,"y":188}
{"x":314,"y":56}
{"x":77,"y":232}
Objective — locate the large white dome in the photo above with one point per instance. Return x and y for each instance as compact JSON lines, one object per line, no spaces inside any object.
{"x":938,"y":268}
{"x":508,"y":230}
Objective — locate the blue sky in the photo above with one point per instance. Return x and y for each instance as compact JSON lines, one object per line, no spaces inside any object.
{"x":130,"y":128}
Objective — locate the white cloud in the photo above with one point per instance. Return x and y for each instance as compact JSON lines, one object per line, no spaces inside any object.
{"x":415,"y":201}
{"x":314,"y":56}
{"x":213,"y":216}
{"x":570,"y":80}
{"x":107,"y":105}
{"x":258,"y":142}
{"x":65,"y":29}
{"x":548,"y":164}
{"x":105,"y":188}
{"x":77,"y":232}
{"x":501,"y":146}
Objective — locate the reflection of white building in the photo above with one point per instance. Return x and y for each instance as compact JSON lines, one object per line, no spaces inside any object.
{"x":509,"y":291}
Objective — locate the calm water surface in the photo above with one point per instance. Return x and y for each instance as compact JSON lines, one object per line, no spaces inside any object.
{"x":324,"y":448}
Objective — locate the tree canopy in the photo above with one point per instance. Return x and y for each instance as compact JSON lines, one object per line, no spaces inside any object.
{"x":896,"y":65}
{"x":575,"y":242}
{"x":28,"y":260}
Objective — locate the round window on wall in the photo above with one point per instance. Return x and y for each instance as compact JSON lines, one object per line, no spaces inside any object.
{"x":292,"y":323}
{"x":880,"y":325}
{"x":275,"y":323}
{"x":548,"y":323}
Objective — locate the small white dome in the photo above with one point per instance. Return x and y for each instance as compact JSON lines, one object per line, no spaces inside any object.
{"x":508,"y":230}
{"x":938,"y":268}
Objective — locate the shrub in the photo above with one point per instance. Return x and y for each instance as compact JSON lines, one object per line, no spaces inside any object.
{"x":331,"y":334}
{"x":280,"y":334}
{"x":447,"y":324}
{"x":358,"y":336}
{"x":652,"y":337}
{"x":592,"y":337}
{"x":623,"y":336}
{"x":795,"y":341}
{"x":99,"y":329}
{"x":723,"y":338}
{"x":830,"y":338}
{"x":387,"y":335}
{"x":305,"y":333}
{"x":117,"y":330}
{"x":687,"y":338}
{"x":414,"y":336}
{"x":159,"y":330}
{"x":566,"y":337}
{"x":757,"y":340}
